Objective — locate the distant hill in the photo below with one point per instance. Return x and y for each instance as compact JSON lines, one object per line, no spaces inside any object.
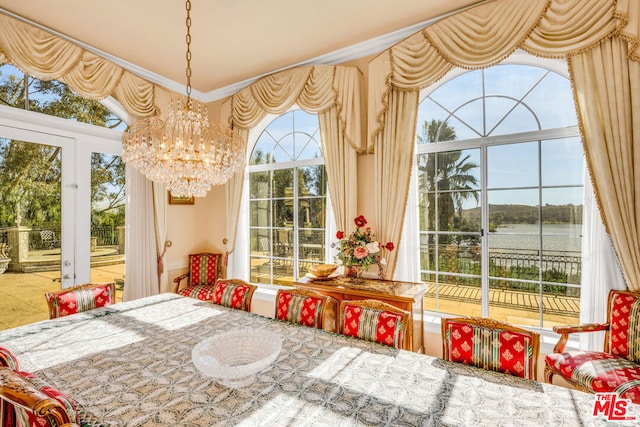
{"x":526,"y":214}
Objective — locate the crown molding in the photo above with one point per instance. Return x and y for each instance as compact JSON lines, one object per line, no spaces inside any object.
{"x":350,"y":53}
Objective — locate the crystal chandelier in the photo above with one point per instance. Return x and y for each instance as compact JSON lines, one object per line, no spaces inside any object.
{"x":185,"y":152}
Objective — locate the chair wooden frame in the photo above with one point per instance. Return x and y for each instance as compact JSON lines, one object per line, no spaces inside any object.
{"x":18,"y":391}
{"x":177,"y":281}
{"x":565,"y":331}
{"x":378,"y":305}
{"x":50,"y":296}
{"x":493,"y":324}
{"x":329,"y":306}
{"x":252,"y":288}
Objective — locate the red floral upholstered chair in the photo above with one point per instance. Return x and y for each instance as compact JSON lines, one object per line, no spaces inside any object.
{"x":8,"y":359}
{"x":234,"y":293}
{"x":25,"y":400}
{"x":80,"y":298}
{"x":374,"y":320}
{"x":306,"y":308}
{"x":204,"y":270}
{"x":617,"y":367}
{"x":474,"y":341}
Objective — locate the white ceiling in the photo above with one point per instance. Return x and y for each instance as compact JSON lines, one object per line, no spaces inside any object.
{"x":233,"y":41}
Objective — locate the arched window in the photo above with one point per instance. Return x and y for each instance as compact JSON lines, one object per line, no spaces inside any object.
{"x":500,"y":194}
{"x":287,"y":199}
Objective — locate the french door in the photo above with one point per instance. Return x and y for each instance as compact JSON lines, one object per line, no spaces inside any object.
{"x":69,"y":244}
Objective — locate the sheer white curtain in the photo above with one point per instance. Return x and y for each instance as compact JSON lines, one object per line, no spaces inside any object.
{"x":160,"y":201}
{"x":408,"y":259}
{"x":238,"y":264}
{"x":141,"y":271}
{"x":601,"y":270}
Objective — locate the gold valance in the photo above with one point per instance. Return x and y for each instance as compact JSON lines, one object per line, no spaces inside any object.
{"x":314,"y":88}
{"x":486,"y":34}
{"x":47,"y":57}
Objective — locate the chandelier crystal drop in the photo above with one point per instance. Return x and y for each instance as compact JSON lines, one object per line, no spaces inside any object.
{"x":185,"y":152}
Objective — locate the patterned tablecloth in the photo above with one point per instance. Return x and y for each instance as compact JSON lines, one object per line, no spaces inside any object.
{"x":130,"y":365}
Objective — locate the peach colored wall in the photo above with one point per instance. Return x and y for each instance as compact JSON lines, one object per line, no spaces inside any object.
{"x":195,"y":228}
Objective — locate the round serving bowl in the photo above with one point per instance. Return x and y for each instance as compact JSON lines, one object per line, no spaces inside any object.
{"x":322,"y":270}
{"x":234,"y":357}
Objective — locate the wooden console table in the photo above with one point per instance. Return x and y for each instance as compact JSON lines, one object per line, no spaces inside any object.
{"x":405,"y":295}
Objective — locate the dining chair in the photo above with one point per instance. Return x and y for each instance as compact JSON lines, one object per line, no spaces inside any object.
{"x":8,"y":359}
{"x":204,"y":271}
{"x":26,"y":400}
{"x":492,"y":345}
{"x":614,"y":369}
{"x":374,"y":320}
{"x":77,"y":299}
{"x":306,"y":308}
{"x":234,"y":293}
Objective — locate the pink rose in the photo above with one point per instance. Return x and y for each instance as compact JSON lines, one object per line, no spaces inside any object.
{"x":339,"y":235}
{"x":360,"y":221}
{"x":360,"y":252}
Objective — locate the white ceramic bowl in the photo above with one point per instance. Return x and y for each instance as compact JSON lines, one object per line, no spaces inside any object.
{"x":234,"y":357}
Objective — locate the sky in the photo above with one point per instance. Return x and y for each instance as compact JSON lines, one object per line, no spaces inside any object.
{"x":517,"y":98}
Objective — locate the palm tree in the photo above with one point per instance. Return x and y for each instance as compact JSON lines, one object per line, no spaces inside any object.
{"x":446,"y":176}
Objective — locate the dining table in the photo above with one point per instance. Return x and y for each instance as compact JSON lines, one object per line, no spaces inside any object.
{"x":130,"y":364}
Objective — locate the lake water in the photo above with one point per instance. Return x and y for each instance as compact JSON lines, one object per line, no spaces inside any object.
{"x":555,"y":237}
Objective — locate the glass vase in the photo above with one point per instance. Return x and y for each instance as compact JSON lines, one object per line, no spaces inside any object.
{"x":353,"y":271}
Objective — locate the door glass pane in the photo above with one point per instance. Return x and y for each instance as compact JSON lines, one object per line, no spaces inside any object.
{"x":107,"y":218}
{"x":30,"y":229}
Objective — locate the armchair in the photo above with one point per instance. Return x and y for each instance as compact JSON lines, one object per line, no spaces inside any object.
{"x":474,"y":341}
{"x":617,"y":367}
{"x":204,"y":271}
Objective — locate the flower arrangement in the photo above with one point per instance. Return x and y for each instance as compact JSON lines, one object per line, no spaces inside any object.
{"x":360,"y":248}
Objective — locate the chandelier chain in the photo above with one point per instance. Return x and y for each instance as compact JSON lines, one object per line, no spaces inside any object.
{"x":185,"y":152}
{"x":188,"y":53}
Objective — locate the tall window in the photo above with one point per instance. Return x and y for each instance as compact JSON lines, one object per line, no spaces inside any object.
{"x":287,"y":199}
{"x":500,"y":191}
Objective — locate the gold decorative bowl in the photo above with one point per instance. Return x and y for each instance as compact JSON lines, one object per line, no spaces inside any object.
{"x":322,"y":270}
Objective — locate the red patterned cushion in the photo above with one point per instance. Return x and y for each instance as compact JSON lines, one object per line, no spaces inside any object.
{"x":51,"y":392}
{"x":201,"y":292}
{"x":599,"y":372}
{"x":203,"y":269}
{"x":302,"y":309}
{"x":8,"y":359}
{"x":624,"y":336}
{"x":79,"y":300}
{"x":371,"y":324}
{"x":493,"y":349}
{"x":234,"y":295}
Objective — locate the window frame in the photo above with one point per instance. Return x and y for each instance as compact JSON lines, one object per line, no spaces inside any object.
{"x":483,"y":143}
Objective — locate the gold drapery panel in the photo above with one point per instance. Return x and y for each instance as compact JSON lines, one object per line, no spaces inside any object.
{"x":607,"y":90}
{"x":47,"y":57}
{"x":335,"y":94}
{"x":480,"y":37}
